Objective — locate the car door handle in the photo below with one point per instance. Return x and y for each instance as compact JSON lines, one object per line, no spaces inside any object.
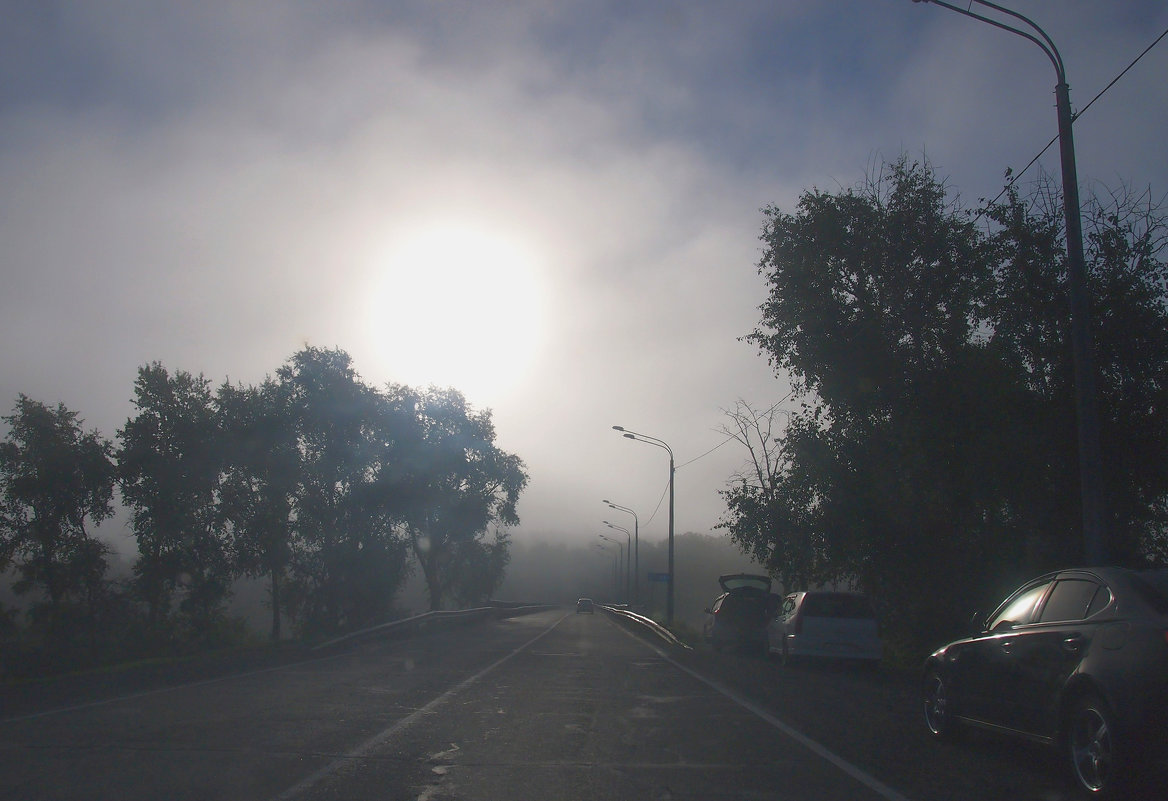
{"x":1006,"y":645}
{"x":1073,"y":643}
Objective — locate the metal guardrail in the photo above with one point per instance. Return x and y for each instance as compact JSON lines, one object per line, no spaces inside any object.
{"x":647,"y":623}
{"x":433,"y":620}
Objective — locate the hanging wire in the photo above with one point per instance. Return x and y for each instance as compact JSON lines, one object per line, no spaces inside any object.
{"x":1014,"y":178}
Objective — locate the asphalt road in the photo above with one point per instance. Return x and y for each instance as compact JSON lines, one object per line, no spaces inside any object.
{"x":552,"y":706}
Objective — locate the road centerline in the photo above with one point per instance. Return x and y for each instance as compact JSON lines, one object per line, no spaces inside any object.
{"x":371,"y":744}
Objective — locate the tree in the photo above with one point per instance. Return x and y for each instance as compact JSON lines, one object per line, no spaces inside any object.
{"x":935,"y":452}
{"x":1126,"y":234}
{"x":461,"y":484}
{"x":261,"y":473}
{"x":477,"y":567}
{"x":55,"y":479}
{"x":769,"y":504}
{"x":350,"y":557}
{"x":169,"y":464}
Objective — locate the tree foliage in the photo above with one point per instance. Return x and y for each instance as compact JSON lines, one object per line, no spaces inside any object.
{"x":55,"y":479}
{"x":313,"y":480}
{"x":933,"y":459}
{"x":169,"y":464}
{"x":259,"y":482}
{"x":461,"y":484}
{"x":348,"y":555}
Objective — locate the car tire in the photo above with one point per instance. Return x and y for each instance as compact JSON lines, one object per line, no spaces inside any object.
{"x":938,"y":701}
{"x":1090,"y":745}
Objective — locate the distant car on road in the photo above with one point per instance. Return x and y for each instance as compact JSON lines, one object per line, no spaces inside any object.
{"x":1076,"y":659}
{"x":738,"y":617}
{"x":826,"y":624}
{"x":585,"y":606}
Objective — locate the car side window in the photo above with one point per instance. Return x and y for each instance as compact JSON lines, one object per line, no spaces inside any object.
{"x":1099,"y":602}
{"x":1068,"y":601}
{"x":1019,"y":611}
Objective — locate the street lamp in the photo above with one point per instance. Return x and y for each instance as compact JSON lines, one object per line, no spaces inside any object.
{"x":628,"y":563}
{"x":620,"y":569}
{"x":1090,"y":456}
{"x":636,"y":550}
{"x":660,"y":443}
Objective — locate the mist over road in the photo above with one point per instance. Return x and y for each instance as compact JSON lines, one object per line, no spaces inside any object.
{"x":547,"y":706}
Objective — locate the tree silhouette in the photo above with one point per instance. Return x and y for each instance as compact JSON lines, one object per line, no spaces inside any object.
{"x":462,"y":484}
{"x":169,"y":464}
{"x":54,"y":480}
{"x":933,"y":458}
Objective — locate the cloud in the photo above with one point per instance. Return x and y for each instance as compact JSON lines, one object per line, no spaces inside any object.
{"x":209,"y":185}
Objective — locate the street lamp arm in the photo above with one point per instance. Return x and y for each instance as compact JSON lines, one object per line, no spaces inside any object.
{"x":621,"y":508}
{"x":1045,"y":43}
{"x":633,"y":435}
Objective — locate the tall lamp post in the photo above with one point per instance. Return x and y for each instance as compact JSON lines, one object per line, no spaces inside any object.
{"x":621,"y":546}
{"x":629,"y":560}
{"x":1090,"y":454}
{"x":636,"y":550}
{"x":660,"y":443}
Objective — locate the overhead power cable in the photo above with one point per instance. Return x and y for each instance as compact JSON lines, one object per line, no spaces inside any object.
{"x":1014,"y":178}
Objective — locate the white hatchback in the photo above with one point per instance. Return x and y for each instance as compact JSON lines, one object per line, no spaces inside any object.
{"x":826,"y":624}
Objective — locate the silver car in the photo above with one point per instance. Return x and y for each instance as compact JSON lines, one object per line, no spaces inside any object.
{"x":826,"y":624}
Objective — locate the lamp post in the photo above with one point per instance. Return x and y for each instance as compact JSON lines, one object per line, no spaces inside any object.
{"x":660,"y":443}
{"x":621,"y":568}
{"x":1090,"y":455}
{"x":629,"y":551}
{"x":636,"y":550}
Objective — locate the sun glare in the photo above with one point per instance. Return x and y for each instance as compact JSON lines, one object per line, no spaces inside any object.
{"x":459,"y":306}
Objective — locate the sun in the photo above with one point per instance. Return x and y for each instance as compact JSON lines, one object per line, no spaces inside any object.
{"x":457,"y":305}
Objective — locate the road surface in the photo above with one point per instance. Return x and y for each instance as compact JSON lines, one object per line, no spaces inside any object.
{"x":550,"y":706}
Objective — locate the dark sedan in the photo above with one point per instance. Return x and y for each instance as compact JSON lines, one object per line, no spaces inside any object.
{"x":1077,"y":659}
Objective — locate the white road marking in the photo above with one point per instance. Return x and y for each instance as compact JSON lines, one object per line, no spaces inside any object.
{"x":860,"y":775}
{"x":374,"y":742}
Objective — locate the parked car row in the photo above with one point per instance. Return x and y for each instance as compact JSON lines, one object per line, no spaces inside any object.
{"x":819,"y":623}
{"x":1075,"y":659}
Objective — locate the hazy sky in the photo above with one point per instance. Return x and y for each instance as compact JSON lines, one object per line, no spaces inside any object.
{"x":552,"y":205}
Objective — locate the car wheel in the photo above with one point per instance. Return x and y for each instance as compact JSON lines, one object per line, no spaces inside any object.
{"x":1091,"y":748}
{"x":938,"y":705}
